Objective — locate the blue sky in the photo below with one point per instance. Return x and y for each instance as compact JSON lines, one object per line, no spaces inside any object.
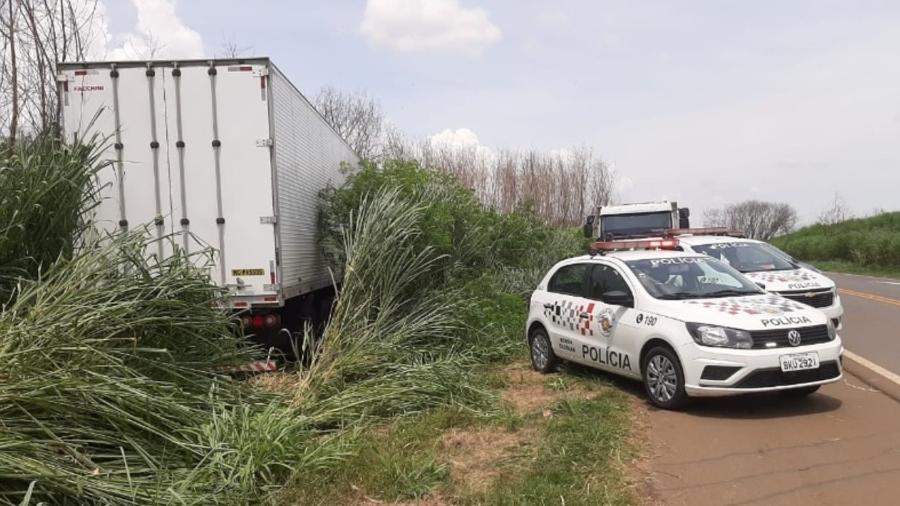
{"x":707,"y":102}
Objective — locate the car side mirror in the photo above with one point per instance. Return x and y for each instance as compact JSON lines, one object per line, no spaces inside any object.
{"x":684,"y":217}
{"x":761,"y":285}
{"x":617,"y":298}
{"x":588,"y":228}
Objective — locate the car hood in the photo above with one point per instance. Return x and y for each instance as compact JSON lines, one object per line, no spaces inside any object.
{"x":786,"y":281}
{"x":754,"y":312}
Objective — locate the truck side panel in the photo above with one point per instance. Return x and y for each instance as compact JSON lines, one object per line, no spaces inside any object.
{"x":308,"y":157}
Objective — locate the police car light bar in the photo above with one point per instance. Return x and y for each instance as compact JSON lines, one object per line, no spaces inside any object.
{"x":704,"y":231}
{"x":604,"y":246}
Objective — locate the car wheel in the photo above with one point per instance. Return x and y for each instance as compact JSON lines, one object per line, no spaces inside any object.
{"x":663,"y":378}
{"x":543,"y":360}
{"x":799,"y":392}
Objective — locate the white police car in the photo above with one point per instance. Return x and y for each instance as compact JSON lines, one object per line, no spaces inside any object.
{"x":684,"y":323}
{"x":769,"y":267}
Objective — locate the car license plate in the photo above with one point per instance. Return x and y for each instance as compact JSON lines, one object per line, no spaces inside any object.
{"x":799,"y":361}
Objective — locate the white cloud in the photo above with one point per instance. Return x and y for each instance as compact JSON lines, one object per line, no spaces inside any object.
{"x":459,"y":138}
{"x":428,"y":25}
{"x":159,"y":33}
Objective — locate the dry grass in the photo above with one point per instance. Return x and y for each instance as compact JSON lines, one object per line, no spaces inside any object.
{"x":528,"y":391}
{"x":476,"y":457}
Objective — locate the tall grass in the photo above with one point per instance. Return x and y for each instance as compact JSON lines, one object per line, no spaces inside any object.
{"x":109,"y":392}
{"x":47,"y":191}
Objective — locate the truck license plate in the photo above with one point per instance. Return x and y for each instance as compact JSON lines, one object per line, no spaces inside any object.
{"x":799,"y":361}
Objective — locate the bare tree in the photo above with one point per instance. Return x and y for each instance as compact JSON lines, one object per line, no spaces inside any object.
{"x":10,"y":31}
{"x":757,"y":219}
{"x":836,"y":213}
{"x":36,"y":34}
{"x":559,"y":186}
{"x":357,"y":117}
{"x":231,"y":49}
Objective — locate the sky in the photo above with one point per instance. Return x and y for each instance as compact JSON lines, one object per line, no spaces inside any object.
{"x":705,"y":102}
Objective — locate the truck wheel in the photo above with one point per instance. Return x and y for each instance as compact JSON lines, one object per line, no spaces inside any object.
{"x":663,"y":378}
{"x":799,"y":392}
{"x":543,"y":360}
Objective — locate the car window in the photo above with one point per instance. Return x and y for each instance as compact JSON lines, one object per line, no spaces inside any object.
{"x":690,"y":278}
{"x":746,"y":256}
{"x":569,"y":280}
{"x":604,"y":279}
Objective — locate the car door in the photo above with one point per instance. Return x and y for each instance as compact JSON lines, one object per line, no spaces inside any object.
{"x":565,"y":308}
{"x":611,"y":340}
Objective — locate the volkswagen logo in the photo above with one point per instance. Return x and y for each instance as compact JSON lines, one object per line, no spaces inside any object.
{"x":794,"y":338}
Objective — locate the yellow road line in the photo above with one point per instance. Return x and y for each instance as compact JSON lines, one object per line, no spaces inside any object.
{"x":869,"y":296}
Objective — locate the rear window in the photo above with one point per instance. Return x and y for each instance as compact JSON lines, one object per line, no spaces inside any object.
{"x":569,"y":280}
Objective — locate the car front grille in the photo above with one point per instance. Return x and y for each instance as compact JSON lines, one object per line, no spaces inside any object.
{"x":814,"y":298}
{"x":808,"y":335}
{"x":775,"y":377}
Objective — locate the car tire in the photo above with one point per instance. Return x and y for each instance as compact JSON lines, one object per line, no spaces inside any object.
{"x":799,"y":392}
{"x":664,"y":378}
{"x":543,"y":360}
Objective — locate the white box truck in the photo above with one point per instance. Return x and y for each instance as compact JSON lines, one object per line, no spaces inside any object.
{"x":641,"y":219}
{"x":226,"y":153}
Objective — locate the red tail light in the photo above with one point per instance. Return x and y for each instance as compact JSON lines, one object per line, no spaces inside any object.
{"x":272,"y":320}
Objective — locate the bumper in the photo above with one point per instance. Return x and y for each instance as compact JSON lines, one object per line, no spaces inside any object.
{"x":835,"y":313}
{"x":747,"y":371}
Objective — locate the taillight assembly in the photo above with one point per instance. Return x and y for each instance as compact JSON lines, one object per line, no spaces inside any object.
{"x":259,"y":321}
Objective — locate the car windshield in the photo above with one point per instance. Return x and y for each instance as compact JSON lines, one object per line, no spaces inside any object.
{"x":746,"y":256}
{"x":635,"y":224}
{"x":690,"y":278}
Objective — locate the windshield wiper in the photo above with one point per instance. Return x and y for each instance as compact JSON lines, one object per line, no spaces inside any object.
{"x":678,"y":296}
{"x":729,"y":293}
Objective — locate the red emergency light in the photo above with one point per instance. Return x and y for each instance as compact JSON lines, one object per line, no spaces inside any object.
{"x":704,"y":231}
{"x":669,"y":243}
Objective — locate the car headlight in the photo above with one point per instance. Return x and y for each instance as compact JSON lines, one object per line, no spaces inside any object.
{"x":723,"y":337}
{"x":832,"y":332}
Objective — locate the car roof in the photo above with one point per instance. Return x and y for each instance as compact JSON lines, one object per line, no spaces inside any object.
{"x":694,"y":240}
{"x":628,"y":255}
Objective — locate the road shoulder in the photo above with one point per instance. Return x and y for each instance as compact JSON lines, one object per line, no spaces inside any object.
{"x":835,"y":447}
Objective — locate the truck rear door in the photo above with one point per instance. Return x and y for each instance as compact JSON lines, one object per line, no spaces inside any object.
{"x":191,"y":156}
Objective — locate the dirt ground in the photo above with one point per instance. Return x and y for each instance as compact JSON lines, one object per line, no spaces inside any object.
{"x":839,"y":446}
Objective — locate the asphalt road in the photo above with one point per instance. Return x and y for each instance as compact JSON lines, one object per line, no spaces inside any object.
{"x":839,"y":446}
{"x":871,"y":318}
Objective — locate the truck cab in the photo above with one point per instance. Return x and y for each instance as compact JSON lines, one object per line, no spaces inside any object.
{"x":643,"y":219}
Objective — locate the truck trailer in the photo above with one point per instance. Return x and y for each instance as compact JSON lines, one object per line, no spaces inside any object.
{"x":221,"y":153}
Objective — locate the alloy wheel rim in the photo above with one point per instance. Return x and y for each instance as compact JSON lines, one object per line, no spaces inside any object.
{"x":662,"y":380}
{"x":539,"y":352}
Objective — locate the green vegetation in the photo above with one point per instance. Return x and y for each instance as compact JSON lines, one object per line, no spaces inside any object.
{"x":853,"y":268}
{"x":572,"y":448}
{"x":110,"y":391}
{"x":46,"y":193}
{"x":866,"y":245}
